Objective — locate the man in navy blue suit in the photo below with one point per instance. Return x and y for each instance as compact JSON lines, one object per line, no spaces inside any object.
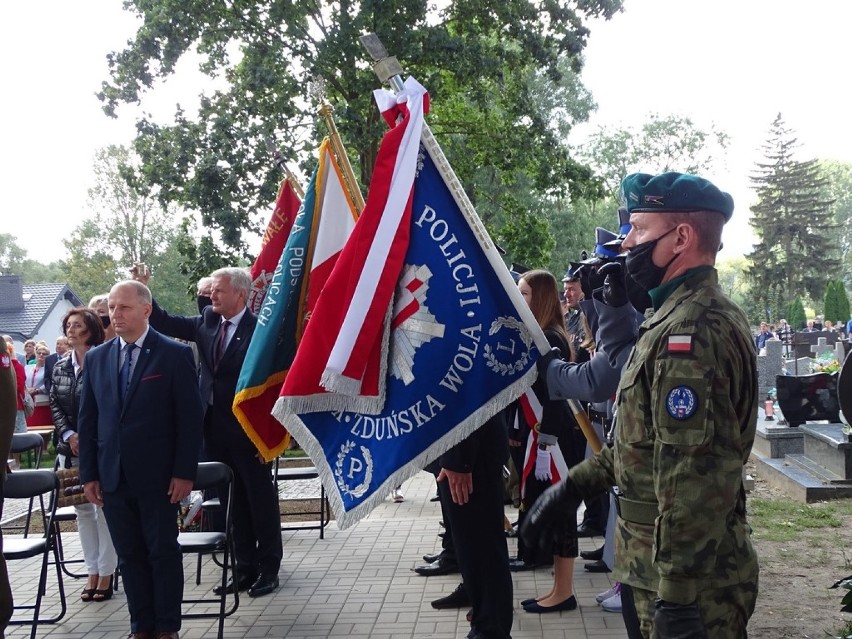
{"x":222,"y":333}
{"x":140,"y":438}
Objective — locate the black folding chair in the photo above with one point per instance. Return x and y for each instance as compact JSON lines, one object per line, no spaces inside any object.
{"x":26,"y":443}
{"x":218,"y":476}
{"x":26,"y":484}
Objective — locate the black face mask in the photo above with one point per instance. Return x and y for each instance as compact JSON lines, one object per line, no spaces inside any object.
{"x":640,"y":264}
{"x":203,"y":302}
{"x":637,"y":295}
{"x":105,"y":320}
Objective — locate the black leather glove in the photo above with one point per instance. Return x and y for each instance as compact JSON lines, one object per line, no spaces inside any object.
{"x":551,"y":513}
{"x":678,"y":621}
{"x":544,"y":361}
{"x":614,"y":290}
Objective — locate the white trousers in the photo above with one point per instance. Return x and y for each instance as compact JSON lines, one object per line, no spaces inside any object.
{"x":98,"y":551}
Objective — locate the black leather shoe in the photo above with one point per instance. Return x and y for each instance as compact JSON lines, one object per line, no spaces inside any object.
{"x":437,"y":497}
{"x":592,"y":555}
{"x":245,"y":582}
{"x":433,"y":558}
{"x":264,"y":585}
{"x":519,"y":565}
{"x":441,"y":566}
{"x":587,"y":530}
{"x":456,"y":599}
{"x":597,"y":566}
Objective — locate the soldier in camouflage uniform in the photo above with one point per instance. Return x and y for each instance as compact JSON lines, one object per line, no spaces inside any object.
{"x":685,"y":424}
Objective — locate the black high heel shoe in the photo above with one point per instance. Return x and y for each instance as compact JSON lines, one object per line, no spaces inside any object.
{"x":103,"y":594}
{"x":87,"y":594}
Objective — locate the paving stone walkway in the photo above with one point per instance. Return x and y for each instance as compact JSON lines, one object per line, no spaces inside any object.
{"x":355,"y":583}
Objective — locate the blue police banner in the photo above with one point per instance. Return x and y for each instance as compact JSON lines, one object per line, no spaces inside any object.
{"x":459,"y":351}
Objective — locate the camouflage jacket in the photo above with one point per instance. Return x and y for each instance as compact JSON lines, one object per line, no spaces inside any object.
{"x":685,"y":424}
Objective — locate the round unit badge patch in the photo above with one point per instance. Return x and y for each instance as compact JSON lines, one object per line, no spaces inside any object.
{"x":682,"y":402}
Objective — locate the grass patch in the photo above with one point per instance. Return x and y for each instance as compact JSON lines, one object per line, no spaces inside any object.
{"x":784,"y":520}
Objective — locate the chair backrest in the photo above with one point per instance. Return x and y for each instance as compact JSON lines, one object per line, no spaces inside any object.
{"x":23,"y":484}
{"x":212,"y":475}
{"x":23,"y":442}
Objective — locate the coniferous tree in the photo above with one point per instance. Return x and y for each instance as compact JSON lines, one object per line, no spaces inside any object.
{"x":796,"y":314}
{"x":836,"y":306}
{"x":796,"y":252}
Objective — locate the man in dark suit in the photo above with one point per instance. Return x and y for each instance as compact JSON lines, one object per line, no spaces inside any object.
{"x":471,"y":486}
{"x":222,"y":334}
{"x":140,"y":437}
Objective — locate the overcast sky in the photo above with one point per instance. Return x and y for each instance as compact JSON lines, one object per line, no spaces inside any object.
{"x":735,"y":63}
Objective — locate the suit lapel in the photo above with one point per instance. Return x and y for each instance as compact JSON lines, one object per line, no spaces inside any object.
{"x":142,"y":360}
{"x":114,"y":360}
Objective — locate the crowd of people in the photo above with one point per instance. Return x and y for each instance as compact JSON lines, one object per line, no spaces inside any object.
{"x":644,"y":409}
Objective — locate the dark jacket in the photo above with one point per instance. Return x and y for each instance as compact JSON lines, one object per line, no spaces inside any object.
{"x":154,"y":432}
{"x":64,"y":402}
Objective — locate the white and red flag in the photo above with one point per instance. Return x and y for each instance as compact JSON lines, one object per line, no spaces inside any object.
{"x":340,"y":359}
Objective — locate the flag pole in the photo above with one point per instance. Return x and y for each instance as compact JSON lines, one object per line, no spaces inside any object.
{"x":325,"y":112}
{"x":388,"y":69}
{"x":288,"y":175}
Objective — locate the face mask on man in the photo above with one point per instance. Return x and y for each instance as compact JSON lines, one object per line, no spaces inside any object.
{"x":640,"y":264}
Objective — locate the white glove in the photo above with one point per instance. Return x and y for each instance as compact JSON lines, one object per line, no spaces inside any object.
{"x":542,"y":465}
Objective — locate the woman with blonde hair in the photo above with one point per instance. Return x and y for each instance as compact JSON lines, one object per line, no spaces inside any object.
{"x":36,"y":387}
{"x":100,"y":305}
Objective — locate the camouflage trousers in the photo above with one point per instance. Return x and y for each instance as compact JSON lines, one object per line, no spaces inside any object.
{"x":725,"y":611}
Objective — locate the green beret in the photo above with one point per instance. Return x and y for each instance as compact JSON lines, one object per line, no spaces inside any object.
{"x":674,"y":192}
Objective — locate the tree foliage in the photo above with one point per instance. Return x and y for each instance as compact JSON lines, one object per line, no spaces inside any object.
{"x":839,"y":190}
{"x":796,"y":252}
{"x":796,"y":314}
{"x":836,"y":302}
{"x":125,"y":227}
{"x":663,"y":143}
{"x":485,"y":65}
{"x":12,"y":255}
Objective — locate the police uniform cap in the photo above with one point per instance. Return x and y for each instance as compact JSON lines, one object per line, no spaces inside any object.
{"x":674,"y":192}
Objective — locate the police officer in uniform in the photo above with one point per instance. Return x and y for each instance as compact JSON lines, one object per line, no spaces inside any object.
{"x":686,"y":415}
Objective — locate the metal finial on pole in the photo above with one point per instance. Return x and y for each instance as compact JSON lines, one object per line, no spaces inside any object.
{"x":279,"y":162}
{"x":317,"y":91}
{"x":386,"y":67}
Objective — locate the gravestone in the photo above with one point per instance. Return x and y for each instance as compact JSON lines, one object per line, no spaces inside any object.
{"x":802,"y":342}
{"x":800,"y":366}
{"x":840,"y":351}
{"x":769,"y":365}
{"x":774,"y":437}
{"x":822,"y":346}
{"x":823,"y":469}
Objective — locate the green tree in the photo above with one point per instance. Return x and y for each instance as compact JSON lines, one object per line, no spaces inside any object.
{"x":836,"y":305}
{"x":482,"y":62}
{"x":839,"y":190}
{"x":796,"y":314}
{"x":663,"y":143}
{"x":12,"y":255}
{"x":125,"y":227}
{"x":35,"y":272}
{"x":796,"y":252}
{"x":731,"y":278}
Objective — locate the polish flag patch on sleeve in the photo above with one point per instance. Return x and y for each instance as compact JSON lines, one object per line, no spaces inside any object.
{"x":680,"y":344}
